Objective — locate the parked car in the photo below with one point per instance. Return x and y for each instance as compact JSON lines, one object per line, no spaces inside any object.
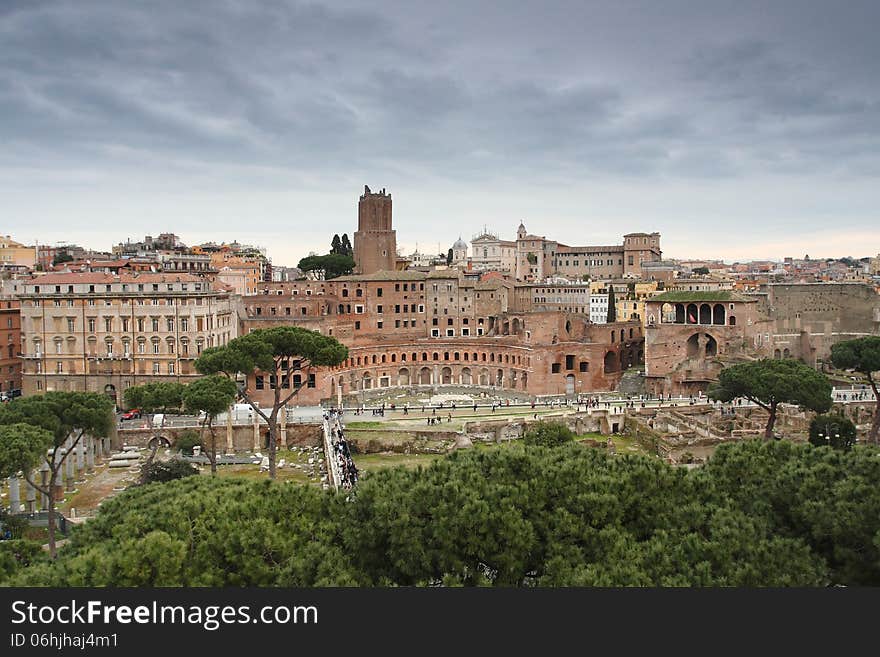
{"x":133,"y":414}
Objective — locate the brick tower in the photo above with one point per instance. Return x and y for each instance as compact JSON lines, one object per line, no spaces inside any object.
{"x":375,"y":243}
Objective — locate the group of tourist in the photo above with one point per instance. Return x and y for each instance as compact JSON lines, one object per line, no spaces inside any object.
{"x":348,"y":473}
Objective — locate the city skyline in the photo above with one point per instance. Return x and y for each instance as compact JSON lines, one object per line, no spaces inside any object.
{"x":737,"y":132}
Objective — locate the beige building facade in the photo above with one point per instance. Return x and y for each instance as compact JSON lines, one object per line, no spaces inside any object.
{"x":103,"y":333}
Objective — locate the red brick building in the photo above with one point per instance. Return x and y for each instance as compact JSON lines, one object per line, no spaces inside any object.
{"x":10,"y":345}
{"x":412,"y":329}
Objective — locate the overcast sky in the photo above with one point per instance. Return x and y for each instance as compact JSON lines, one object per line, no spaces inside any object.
{"x":736,"y":129}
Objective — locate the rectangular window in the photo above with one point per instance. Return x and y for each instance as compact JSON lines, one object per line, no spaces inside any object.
{"x":155,"y":368}
{"x":379,"y":292}
{"x":71,"y":325}
{"x":465,"y":332}
{"x":569,"y":362}
{"x":379,"y":309}
{"x":554,"y":368}
{"x":170,"y":324}
{"x":258,"y":382}
{"x":450,"y":333}
{"x":435,"y":333}
{"x":357,"y":326}
{"x":91,"y":325}
{"x":155,"y":347}
{"x":585,"y":366}
{"x":108,"y":324}
{"x":379,"y":324}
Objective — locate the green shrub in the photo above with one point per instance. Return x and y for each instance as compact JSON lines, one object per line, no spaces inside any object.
{"x":832,"y":429}
{"x":548,"y":434}
{"x":185,"y":442}
{"x":168,"y":470}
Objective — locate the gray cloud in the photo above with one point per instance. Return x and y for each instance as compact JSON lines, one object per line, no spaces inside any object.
{"x":249,"y":93}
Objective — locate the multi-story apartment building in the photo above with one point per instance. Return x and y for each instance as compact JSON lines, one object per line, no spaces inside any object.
{"x":10,"y":344}
{"x":103,"y":333}
{"x":16,"y":254}
{"x":538,"y":258}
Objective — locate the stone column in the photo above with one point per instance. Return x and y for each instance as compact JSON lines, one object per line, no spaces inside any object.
{"x":283,"y":427}
{"x":14,"y":495}
{"x":68,"y":470}
{"x":257,"y":446}
{"x":30,"y":499}
{"x":44,"y":482}
{"x":80,"y":453}
{"x":90,"y":454}
{"x":230,"y":444}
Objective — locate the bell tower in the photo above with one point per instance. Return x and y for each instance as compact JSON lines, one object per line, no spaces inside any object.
{"x":375,"y":242}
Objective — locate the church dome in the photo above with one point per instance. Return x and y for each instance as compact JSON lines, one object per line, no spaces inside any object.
{"x":459,"y":244}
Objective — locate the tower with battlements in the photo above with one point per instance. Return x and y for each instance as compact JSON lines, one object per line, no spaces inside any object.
{"x":375,"y":242}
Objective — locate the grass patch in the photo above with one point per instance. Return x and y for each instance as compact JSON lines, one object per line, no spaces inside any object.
{"x":253,"y":472}
{"x":367,"y":462}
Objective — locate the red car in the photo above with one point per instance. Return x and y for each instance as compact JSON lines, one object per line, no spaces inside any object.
{"x":133,"y":414}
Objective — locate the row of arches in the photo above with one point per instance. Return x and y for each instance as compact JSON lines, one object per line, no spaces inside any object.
{"x":513,"y":379}
{"x":693,"y":313}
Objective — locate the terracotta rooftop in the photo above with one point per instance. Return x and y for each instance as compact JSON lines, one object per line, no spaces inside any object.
{"x":72,"y":278}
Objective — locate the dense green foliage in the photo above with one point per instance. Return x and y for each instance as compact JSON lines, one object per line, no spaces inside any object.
{"x":835,"y":430}
{"x":157,"y":397}
{"x":758,"y":514}
{"x":341,"y":246}
{"x":162,"y":471}
{"x":185,"y":442}
{"x":22,"y":446}
{"x":332,"y":265}
{"x":769,"y":382}
{"x":862,"y":355}
{"x":548,"y":434}
{"x":14,"y":524}
{"x":827,"y":498}
{"x":18,"y":554}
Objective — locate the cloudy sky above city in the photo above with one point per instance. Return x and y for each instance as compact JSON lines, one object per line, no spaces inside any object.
{"x":736,"y":129}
